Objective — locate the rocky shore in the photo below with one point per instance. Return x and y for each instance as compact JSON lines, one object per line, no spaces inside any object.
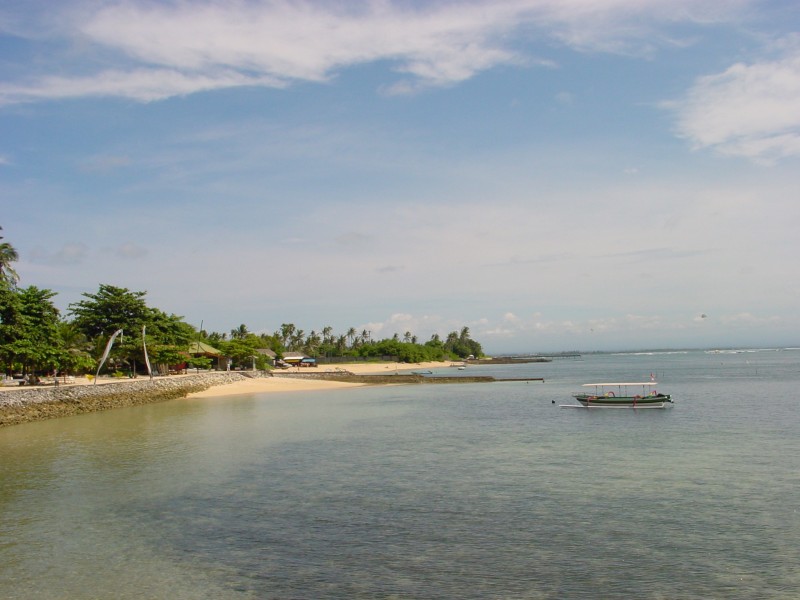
{"x":385,"y":379}
{"x":37,"y":403}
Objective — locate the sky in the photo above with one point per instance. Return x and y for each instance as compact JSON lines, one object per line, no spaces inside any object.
{"x":553,"y":174}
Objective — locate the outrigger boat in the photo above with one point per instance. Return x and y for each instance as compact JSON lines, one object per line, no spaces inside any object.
{"x":618,"y":395}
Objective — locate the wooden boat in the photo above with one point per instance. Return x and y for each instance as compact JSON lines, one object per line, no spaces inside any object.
{"x":623,"y":395}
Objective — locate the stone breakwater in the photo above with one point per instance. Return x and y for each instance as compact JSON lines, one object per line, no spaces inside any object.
{"x":38,"y":403}
{"x":392,"y":379}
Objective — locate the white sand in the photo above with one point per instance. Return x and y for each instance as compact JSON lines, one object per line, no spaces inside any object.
{"x":286,"y":384}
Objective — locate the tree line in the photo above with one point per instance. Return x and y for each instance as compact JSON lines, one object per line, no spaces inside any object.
{"x":35,"y":338}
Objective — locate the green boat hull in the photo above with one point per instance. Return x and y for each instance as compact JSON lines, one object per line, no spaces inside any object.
{"x":652,"y":401}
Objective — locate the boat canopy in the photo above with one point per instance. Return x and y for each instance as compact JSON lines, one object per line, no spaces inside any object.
{"x":619,"y":384}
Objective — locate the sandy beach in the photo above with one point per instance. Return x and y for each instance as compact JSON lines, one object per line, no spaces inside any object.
{"x":270,"y":384}
{"x":286,"y":384}
{"x":21,"y":404}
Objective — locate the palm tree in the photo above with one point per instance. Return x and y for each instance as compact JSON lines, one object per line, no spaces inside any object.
{"x":327,"y":334}
{"x":286,"y":333}
{"x":407,"y":337}
{"x":351,"y":335}
{"x":240,"y":332}
{"x":297,"y":339}
{"x":312,"y":343}
{"x":8,"y":255}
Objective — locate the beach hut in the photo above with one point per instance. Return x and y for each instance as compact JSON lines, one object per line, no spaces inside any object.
{"x":268,"y":354}
{"x":202,"y":349}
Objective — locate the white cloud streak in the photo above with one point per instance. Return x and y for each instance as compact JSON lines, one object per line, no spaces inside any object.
{"x":161,"y":50}
{"x":73,"y":253}
{"x":144,"y":85}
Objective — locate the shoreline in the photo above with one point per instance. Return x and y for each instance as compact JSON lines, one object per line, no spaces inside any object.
{"x":283,"y":381}
{"x":23,"y":404}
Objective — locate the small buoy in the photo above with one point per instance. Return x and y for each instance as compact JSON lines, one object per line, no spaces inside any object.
{"x":552,"y":401}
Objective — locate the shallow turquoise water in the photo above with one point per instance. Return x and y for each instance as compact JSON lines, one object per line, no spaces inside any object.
{"x":455,"y":491}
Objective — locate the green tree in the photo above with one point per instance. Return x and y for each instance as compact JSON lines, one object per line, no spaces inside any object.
{"x":8,"y":255}
{"x":240,"y":332}
{"x":11,"y":326}
{"x":76,"y":357}
{"x":312,"y":344}
{"x":113,"y":308}
{"x":165,"y":356}
{"x":169,"y":329}
{"x":462,"y":345}
{"x":297,"y":340}
{"x":273,"y":342}
{"x":168,"y":336}
{"x":29,"y":333}
{"x":110,"y":309}
{"x":215,"y":338}
{"x":241,"y":351}
{"x":286,"y":333}
{"x":199,"y":362}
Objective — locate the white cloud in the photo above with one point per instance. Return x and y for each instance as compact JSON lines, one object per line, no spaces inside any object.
{"x":750,"y":110}
{"x":625,"y":331}
{"x":145,"y":85}
{"x":353,"y":239}
{"x":748,"y":319}
{"x":130,"y":250}
{"x":565,"y":98}
{"x":160,"y":50}
{"x":422,"y":326}
{"x":102,"y":163}
{"x":68,"y":254}
{"x":390,"y":269}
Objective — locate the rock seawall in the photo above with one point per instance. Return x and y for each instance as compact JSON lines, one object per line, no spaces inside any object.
{"x":381,"y":379}
{"x":35,"y":404}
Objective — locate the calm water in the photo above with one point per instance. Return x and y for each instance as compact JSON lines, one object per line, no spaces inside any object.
{"x":457,"y":491}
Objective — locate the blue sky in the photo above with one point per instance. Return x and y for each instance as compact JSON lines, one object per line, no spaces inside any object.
{"x":553,"y":174}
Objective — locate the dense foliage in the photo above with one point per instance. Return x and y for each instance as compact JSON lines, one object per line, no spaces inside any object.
{"x":36,"y":339}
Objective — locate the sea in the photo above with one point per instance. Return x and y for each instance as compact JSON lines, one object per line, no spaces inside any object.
{"x":484,"y":490}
